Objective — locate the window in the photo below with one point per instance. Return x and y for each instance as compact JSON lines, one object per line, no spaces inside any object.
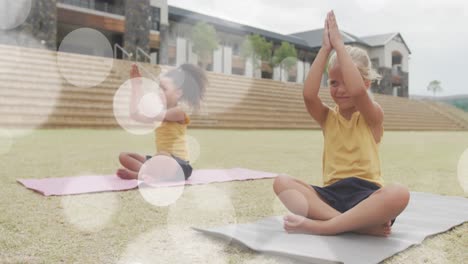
{"x":235,"y":50}
{"x":108,"y":6}
{"x":396,"y":57}
{"x":155,"y":18}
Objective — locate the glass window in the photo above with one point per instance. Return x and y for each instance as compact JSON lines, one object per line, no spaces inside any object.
{"x":236,"y":49}
{"x":155,"y":18}
{"x":108,"y":6}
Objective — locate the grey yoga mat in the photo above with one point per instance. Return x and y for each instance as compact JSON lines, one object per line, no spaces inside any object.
{"x":426,"y":215}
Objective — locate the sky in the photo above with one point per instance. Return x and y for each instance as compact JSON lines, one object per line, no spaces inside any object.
{"x":434,"y":30}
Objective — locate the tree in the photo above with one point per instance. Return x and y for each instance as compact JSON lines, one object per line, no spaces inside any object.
{"x":205,"y":41}
{"x":434,"y":87}
{"x":285,"y":57}
{"x":256,"y":48}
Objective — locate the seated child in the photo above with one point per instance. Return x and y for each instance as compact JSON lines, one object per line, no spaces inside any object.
{"x":354,"y":198}
{"x":171,"y":134}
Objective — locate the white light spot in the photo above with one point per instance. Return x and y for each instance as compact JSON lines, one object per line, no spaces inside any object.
{"x":93,"y":70}
{"x":162,"y":181}
{"x":14,"y":13}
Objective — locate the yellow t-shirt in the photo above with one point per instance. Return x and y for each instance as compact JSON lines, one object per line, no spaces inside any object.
{"x":349,"y":149}
{"x":170,"y":137}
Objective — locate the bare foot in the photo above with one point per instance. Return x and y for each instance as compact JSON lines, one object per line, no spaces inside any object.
{"x":126,"y":174}
{"x":294,"y":224}
{"x":383,"y":230}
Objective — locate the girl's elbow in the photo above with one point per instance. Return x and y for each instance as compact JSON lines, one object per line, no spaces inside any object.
{"x":308,"y":98}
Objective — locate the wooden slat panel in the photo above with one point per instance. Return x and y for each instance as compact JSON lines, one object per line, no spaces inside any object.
{"x":90,"y":20}
{"x":155,"y":41}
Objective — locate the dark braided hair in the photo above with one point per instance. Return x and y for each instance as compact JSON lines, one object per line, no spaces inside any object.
{"x":192,"y":80}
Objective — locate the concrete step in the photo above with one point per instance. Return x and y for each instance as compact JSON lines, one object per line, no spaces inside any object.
{"x":14,"y":97}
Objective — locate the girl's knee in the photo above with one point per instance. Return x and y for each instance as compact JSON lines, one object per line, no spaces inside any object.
{"x":403,"y":195}
{"x":281,"y":183}
{"x":397,"y":195}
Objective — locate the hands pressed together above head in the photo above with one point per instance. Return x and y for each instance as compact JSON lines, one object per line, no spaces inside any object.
{"x":331,"y":34}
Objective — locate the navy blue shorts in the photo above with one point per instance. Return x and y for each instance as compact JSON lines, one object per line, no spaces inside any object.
{"x":347,"y":193}
{"x":185,"y":165}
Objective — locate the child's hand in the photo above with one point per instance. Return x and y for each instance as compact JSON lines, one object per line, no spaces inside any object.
{"x":334,"y":33}
{"x":135,"y":76}
{"x":326,"y":45}
{"x":135,"y":72}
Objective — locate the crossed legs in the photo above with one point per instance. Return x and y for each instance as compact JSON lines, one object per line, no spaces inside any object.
{"x":314,"y":216}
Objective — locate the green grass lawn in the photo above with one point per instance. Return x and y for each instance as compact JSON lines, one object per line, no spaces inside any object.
{"x":123,"y":228}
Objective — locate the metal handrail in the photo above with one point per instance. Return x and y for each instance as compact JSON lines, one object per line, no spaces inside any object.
{"x":130,"y":55}
{"x":124,"y":51}
{"x":152,"y":76}
{"x":140,"y":50}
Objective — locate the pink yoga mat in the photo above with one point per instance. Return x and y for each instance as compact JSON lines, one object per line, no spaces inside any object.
{"x":107,"y":183}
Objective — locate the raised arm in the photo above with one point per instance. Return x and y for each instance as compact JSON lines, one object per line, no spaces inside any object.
{"x":173,"y":115}
{"x":315,"y":107}
{"x":356,"y":86}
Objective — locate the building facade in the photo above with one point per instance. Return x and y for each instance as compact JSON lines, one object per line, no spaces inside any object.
{"x":150,"y":30}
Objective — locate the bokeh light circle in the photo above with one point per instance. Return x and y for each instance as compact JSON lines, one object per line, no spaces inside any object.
{"x":30,"y":83}
{"x":146,"y":106}
{"x":155,"y":247}
{"x":161,"y":181}
{"x":14,"y":13}
{"x":200,"y":207}
{"x":222,"y":99}
{"x":88,"y":42}
{"x":89,"y":212}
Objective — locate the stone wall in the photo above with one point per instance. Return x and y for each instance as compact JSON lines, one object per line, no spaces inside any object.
{"x":137,"y":26}
{"x":38,"y":31}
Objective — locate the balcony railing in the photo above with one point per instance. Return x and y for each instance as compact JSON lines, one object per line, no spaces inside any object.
{"x":96,"y":5}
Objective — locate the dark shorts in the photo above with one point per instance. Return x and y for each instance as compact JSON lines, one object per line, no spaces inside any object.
{"x":185,"y":165}
{"x":347,"y":193}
